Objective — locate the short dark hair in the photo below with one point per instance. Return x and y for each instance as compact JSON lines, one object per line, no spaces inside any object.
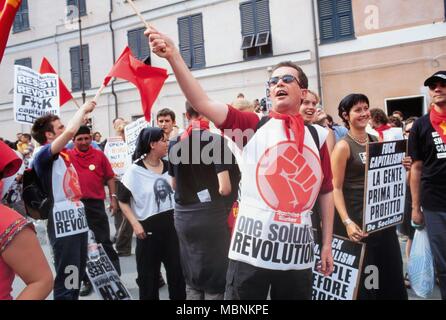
{"x":42,"y":125}
{"x":145,"y":137}
{"x":398,"y":113}
{"x":27,"y":135}
{"x":347,"y":104}
{"x":166,"y":112}
{"x":410,"y":120}
{"x":379,"y":116}
{"x":302,"y":77}
{"x":396,"y":121}
{"x":118,"y":118}
{"x":191,"y":111}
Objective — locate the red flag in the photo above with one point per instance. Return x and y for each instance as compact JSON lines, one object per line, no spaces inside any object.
{"x":64,"y":93}
{"x":149,"y":80}
{"x":8,"y":10}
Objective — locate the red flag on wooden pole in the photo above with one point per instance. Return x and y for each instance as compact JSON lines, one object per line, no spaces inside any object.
{"x":7,"y":14}
{"x":149,"y":80}
{"x":64,"y":93}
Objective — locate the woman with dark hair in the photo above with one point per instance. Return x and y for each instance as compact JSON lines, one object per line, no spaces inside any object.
{"x":348,"y":165}
{"x":153,"y":224}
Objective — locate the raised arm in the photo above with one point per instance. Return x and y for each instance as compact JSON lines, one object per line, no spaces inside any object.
{"x":73,"y":125}
{"x":164,"y":47}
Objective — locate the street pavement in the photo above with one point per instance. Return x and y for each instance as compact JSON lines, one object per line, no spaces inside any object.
{"x":128,"y":268}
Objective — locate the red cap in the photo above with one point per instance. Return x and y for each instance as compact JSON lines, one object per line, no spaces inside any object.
{"x":9,"y":162}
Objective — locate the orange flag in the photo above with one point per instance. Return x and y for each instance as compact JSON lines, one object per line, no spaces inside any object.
{"x":8,"y":10}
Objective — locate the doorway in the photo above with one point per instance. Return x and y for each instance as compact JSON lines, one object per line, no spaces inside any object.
{"x":412,"y":106}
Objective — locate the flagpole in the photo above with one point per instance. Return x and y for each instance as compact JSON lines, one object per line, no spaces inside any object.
{"x":76,"y":103}
{"x":138,"y":13}
{"x":98,"y":93}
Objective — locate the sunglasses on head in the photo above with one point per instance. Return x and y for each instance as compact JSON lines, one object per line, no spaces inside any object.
{"x":288,"y":78}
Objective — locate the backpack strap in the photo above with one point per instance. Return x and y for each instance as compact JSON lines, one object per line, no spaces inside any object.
{"x":262,"y":122}
{"x":314,"y":134}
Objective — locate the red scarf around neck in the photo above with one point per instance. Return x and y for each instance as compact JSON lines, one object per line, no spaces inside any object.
{"x":193,"y":125}
{"x":381,"y":129}
{"x":438,"y":121}
{"x":295,"y":123}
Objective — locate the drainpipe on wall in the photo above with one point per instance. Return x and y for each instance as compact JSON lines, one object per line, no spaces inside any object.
{"x":316,"y":51}
{"x":110,"y":23}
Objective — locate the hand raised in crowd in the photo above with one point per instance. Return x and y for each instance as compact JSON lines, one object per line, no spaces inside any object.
{"x":139,"y":231}
{"x":89,"y":106}
{"x":325,"y":266}
{"x":161,"y":44}
{"x":355,"y":233}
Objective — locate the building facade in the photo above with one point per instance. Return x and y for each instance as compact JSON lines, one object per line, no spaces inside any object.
{"x":230,"y":46}
{"x":384,"y":49}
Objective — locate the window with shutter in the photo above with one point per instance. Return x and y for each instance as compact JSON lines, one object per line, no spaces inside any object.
{"x":190,"y":31}
{"x":80,"y":4}
{"x":256,"y":29}
{"x":139,"y":45}
{"x":21,"y":21}
{"x":335,"y":20}
{"x":75,"y":60}
{"x":26,"y":62}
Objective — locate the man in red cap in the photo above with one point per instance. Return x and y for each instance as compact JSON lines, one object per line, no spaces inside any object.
{"x":427,"y":147}
{"x":67,"y":225}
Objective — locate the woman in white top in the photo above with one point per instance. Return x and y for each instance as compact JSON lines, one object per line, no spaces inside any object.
{"x":152,"y":223}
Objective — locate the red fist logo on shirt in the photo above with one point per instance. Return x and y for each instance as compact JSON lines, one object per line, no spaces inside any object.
{"x":287,"y":180}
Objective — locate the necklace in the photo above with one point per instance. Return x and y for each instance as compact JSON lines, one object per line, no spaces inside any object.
{"x":361,"y":142}
{"x":152,"y":165}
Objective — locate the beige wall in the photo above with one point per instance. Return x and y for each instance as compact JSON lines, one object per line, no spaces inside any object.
{"x":372,"y":16}
{"x":383,"y":73}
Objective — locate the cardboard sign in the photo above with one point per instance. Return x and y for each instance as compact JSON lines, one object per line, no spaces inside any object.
{"x":385,"y":185}
{"x":105,"y":280}
{"x":35,"y":94}
{"x":116,"y":151}
{"x":132,"y":131}
{"x":343,"y":283}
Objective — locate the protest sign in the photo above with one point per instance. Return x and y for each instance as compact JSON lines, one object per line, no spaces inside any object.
{"x":385,"y":185}
{"x":116,"y":151}
{"x":35,"y":94}
{"x":105,"y":280}
{"x":343,"y":283}
{"x":132,"y":131}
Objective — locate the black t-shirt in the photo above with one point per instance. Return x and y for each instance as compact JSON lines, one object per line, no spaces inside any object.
{"x":195,"y":162}
{"x":124,"y":194}
{"x":426,"y":145}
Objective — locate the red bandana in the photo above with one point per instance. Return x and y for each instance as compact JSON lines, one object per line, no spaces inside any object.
{"x":438,"y":121}
{"x":295,"y":123}
{"x":381,"y":129}
{"x":195,"y":124}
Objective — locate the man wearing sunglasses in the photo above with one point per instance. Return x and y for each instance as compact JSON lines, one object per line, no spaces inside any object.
{"x":285,"y":166}
{"x":427,"y":147}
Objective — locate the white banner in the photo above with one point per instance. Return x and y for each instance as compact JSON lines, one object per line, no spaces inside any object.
{"x":116,"y":151}
{"x":385,"y":186}
{"x":105,"y":279}
{"x":35,"y":94}
{"x":132,"y":131}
